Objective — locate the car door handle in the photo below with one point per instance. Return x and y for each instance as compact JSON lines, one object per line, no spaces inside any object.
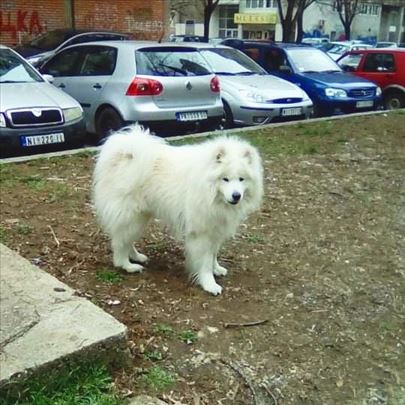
{"x":61,"y":86}
{"x":97,"y":86}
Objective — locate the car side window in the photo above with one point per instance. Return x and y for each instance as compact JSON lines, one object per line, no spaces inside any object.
{"x":253,"y":53}
{"x":379,"y":62}
{"x":65,"y":63}
{"x":274,"y":60}
{"x":98,"y":61}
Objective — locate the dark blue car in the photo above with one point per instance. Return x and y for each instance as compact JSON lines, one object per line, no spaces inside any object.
{"x":332,"y":90}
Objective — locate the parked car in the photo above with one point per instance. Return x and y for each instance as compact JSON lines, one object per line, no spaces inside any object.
{"x":315,"y":41}
{"x":386,"y":44}
{"x":341,"y":47}
{"x":250,"y":95}
{"x":40,"y":49}
{"x":186,"y":38}
{"x":34,"y":115}
{"x":168,"y":88}
{"x":332,"y":90}
{"x":384,"y":67}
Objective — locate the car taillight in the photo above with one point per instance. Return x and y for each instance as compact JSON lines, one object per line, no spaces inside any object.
{"x":144,"y":87}
{"x":215,"y":84}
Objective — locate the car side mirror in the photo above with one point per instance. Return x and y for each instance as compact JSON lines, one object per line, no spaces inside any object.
{"x":285,"y":69}
{"x":48,"y":78}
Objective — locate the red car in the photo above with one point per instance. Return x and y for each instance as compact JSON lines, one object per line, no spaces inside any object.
{"x":385,"y":67}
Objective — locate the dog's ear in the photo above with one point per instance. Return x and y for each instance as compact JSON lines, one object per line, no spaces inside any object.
{"x":219,"y":155}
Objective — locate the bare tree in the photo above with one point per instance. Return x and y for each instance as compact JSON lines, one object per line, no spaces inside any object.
{"x":291,"y":14}
{"x":347,"y":10}
{"x":209,"y":8}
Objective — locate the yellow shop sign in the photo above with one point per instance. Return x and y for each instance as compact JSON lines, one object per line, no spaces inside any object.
{"x":255,"y":18}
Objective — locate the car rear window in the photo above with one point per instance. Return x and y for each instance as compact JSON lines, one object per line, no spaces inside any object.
{"x":170,"y":61}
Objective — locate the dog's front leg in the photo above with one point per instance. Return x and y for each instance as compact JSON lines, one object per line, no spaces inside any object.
{"x":200,"y":261}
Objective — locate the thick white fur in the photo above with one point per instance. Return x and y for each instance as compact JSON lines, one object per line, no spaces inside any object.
{"x":139,"y":176}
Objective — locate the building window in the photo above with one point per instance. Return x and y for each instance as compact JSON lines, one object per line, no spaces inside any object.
{"x":227,"y":27}
{"x":369,"y":9}
{"x":261,"y":3}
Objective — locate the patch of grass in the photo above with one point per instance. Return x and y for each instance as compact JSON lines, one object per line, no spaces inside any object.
{"x":109,"y":276}
{"x":153,"y":355}
{"x":158,"y":378}
{"x":90,"y":385}
{"x":188,"y":336}
{"x":163,"y":330}
{"x":23,"y":229}
{"x":254,"y":238}
{"x":4,"y":236}
{"x":34,"y":182}
{"x":59,"y":192}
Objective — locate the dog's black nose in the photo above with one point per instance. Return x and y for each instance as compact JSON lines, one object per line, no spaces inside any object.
{"x":236,"y":196}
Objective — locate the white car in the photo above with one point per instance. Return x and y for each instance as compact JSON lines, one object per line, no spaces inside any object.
{"x":35,"y":116}
{"x":341,"y":47}
{"x":250,"y":95}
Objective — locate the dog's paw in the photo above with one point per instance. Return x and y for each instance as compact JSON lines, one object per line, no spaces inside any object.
{"x":133,"y":268}
{"x":138,"y":258}
{"x":212,"y":287}
{"x":220,"y":271}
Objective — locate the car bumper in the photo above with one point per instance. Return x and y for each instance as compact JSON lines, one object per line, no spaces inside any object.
{"x":254,"y":115}
{"x":11,"y":139}
{"x":338,"y":107}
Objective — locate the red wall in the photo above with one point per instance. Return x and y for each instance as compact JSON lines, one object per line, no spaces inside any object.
{"x":24,"y":19}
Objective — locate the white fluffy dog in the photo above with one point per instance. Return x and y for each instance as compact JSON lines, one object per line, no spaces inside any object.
{"x":201,"y":192}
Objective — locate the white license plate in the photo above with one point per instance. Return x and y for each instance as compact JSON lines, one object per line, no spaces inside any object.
{"x":36,"y":140}
{"x":192,"y":116}
{"x":365,"y":103}
{"x":287,"y":112}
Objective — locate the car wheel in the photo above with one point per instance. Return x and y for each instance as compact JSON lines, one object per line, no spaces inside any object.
{"x":394,"y":100}
{"x":108,"y":120}
{"x":228,"y":116}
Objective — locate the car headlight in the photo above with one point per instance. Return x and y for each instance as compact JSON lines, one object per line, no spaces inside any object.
{"x":336,"y":93}
{"x":378,"y":92}
{"x":72,"y":114}
{"x":252,"y":96}
{"x":2,"y":121}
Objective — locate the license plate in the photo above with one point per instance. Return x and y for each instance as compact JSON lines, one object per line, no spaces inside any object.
{"x":365,"y":103}
{"x":287,"y":112}
{"x":191,"y":116}
{"x":36,"y":140}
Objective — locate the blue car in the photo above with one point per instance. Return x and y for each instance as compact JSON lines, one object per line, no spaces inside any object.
{"x":332,"y":90}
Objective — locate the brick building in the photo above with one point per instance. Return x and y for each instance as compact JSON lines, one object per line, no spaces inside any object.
{"x":24,"y":19}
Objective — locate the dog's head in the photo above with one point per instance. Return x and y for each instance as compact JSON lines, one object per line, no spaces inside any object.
{"x":238,"y":172}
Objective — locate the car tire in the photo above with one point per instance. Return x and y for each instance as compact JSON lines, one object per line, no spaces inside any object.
{"x":228,"y":116}
{"x":108,"y":120}
{"x":394,"y":100}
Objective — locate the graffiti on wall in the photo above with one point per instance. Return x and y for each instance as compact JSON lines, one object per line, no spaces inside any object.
{"x":20,"y":21}
{"x":140,"y":22}
{"x":103,"y":18}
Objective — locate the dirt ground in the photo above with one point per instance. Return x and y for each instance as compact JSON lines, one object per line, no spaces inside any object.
{"x":320,"y":269}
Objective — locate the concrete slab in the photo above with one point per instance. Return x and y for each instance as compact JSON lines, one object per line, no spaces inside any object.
{"x":42,"y":321}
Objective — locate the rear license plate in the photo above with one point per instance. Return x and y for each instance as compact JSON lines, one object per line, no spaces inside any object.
{"x":365,"y":103}
{"x":36,"y":140}
{"x":191,"y":116}
{"x":287,"y":112}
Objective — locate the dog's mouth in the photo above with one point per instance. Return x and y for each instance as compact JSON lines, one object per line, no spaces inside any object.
{"x":233,"y":202}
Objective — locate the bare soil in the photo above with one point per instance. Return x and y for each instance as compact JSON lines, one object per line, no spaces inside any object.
{"x":320,"y":269}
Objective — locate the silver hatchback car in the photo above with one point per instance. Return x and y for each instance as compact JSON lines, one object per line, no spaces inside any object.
{"x":250,"y":95}
{"x":168,"y":88}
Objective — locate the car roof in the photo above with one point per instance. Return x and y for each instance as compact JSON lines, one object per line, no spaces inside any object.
{"x":379,"y":50}
{"x":265,"y":43}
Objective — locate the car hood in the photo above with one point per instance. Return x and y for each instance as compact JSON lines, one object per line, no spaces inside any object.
{"x":41,"y":94}
{"x":337,"y":79}
{"x":263,"y":84}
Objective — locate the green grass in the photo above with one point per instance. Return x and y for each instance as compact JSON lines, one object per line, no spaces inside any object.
{"x":153,"y":355}
{"x":188,"y":336}
{"x":163,"y":330}
{"x":85,"y":385}
{"x":254,"y":238}
{"x":4,"y":236}
{"x":109,"y":276}
{"x":23,"y":229}
{"x":158,"y":378}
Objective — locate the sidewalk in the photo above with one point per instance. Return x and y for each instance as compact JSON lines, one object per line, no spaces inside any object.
{"x":43,"y":323}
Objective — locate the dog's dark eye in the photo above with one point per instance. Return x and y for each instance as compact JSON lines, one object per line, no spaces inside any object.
{"x":241,"y":179}
{"x":225,"y":179}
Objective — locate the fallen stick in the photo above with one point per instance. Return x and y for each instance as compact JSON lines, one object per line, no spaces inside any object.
{"x":267,"y":389}
{"x":54,"y":236}
{"x":240,"y":325}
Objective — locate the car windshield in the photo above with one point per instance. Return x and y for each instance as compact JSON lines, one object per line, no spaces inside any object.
{"x":312,"y":60}
{"x":231,"y":62}
{"x":339,"y":49}
{"x":171,"y":61}
{"x":351,"y":61}
{"x":13,"y":69}
{"x":49,"y":40}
